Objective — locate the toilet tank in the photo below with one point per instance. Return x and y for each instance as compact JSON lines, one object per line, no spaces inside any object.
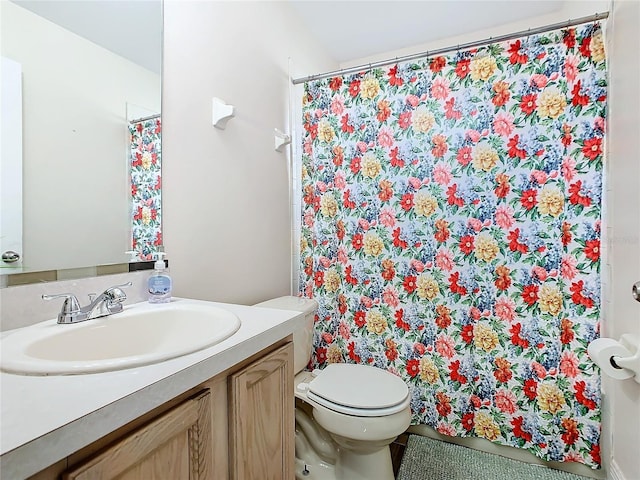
{"x":303,"y":336}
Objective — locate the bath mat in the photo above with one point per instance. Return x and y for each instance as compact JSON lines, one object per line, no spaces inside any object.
{"x":428,"y":459}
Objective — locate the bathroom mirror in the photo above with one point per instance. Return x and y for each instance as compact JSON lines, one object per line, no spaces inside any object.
{"x":89,"y":67}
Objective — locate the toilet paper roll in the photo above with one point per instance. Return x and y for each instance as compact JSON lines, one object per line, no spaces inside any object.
{"x":601,"y":351}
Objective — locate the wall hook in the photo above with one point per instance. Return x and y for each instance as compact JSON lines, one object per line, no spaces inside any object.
{"x":221,"y":113}
{"x":281,"y":140}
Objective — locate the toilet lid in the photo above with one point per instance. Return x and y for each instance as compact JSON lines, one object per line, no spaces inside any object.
{"x":359,"y":387}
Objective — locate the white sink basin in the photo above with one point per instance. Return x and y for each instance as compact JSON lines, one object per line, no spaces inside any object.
{"x":142,"y":334}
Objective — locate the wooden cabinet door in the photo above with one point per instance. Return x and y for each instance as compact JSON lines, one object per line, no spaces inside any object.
{"x":261,"y":424}
{"x":174,"y":446}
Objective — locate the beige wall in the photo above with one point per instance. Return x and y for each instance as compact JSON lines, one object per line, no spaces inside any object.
{"x":75,"y":172}
{"x":226,"y":192}
{"x":622,"y":224}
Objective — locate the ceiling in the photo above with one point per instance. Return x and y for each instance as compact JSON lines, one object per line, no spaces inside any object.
{"x":349,"y":29}
{"x":129,"y":28}
{"x":357,"y":29}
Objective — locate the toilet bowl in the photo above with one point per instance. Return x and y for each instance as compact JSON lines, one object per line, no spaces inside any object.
{"x":361,"y":409}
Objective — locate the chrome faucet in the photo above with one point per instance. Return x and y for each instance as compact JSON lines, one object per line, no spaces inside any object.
{"x":107,"y":303}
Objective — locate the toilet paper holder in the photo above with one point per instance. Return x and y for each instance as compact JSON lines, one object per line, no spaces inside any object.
{"x":626,"y":366}
{"x":630,"y":342}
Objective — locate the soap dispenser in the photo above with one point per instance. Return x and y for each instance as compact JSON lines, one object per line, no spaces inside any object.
{"x":159,"y":282}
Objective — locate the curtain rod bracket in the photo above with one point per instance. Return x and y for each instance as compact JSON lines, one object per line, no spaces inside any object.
{"x":221,"y":113}
{"x":281,"y":140}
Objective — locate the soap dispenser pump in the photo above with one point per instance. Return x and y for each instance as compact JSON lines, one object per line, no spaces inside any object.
{"x":159,"y":282}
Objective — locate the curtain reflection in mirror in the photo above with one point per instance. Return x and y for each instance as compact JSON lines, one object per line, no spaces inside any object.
{"x":146,"y":186}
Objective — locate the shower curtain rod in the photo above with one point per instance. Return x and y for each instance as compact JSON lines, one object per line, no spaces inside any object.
{"x":463,"y":46}
{"x":144,"y":119}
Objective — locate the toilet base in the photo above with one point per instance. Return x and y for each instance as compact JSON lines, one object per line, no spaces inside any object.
{"x":368,"y":461}
{"x":314,"y":471}
{"x":371,"y":466}
{"x":320,"y":456}
{"x":349,"y":466}
{"x":316,"y":453}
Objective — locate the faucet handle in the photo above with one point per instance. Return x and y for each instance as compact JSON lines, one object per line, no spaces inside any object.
{"x":70,"y":304}
{"x":115,"y":293}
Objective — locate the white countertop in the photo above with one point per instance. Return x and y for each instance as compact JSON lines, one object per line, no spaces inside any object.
{"x":43,"y":419}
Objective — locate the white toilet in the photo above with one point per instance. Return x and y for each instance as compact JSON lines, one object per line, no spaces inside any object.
{"x":361,"y":408}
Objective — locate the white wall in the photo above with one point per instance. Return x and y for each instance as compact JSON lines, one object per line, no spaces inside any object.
{"x":76,"y":192}
{"x":622,"y":223}
{"x":226,"y":192}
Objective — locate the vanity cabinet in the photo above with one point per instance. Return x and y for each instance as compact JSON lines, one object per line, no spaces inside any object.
{"x":174,"y":445}
{"x":261,"y":420}
{"x":238,"y":425}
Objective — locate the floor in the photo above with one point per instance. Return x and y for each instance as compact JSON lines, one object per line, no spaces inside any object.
{"x":397,"y":450}
{"x":502,"y":469}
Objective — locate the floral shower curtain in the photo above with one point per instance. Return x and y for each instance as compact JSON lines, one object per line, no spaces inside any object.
{"x":451,"y":234}
{"x":146,"y":183}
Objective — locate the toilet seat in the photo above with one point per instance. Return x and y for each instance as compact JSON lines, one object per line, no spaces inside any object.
{"x":358,"y":412}
{"x":359,"y":390}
